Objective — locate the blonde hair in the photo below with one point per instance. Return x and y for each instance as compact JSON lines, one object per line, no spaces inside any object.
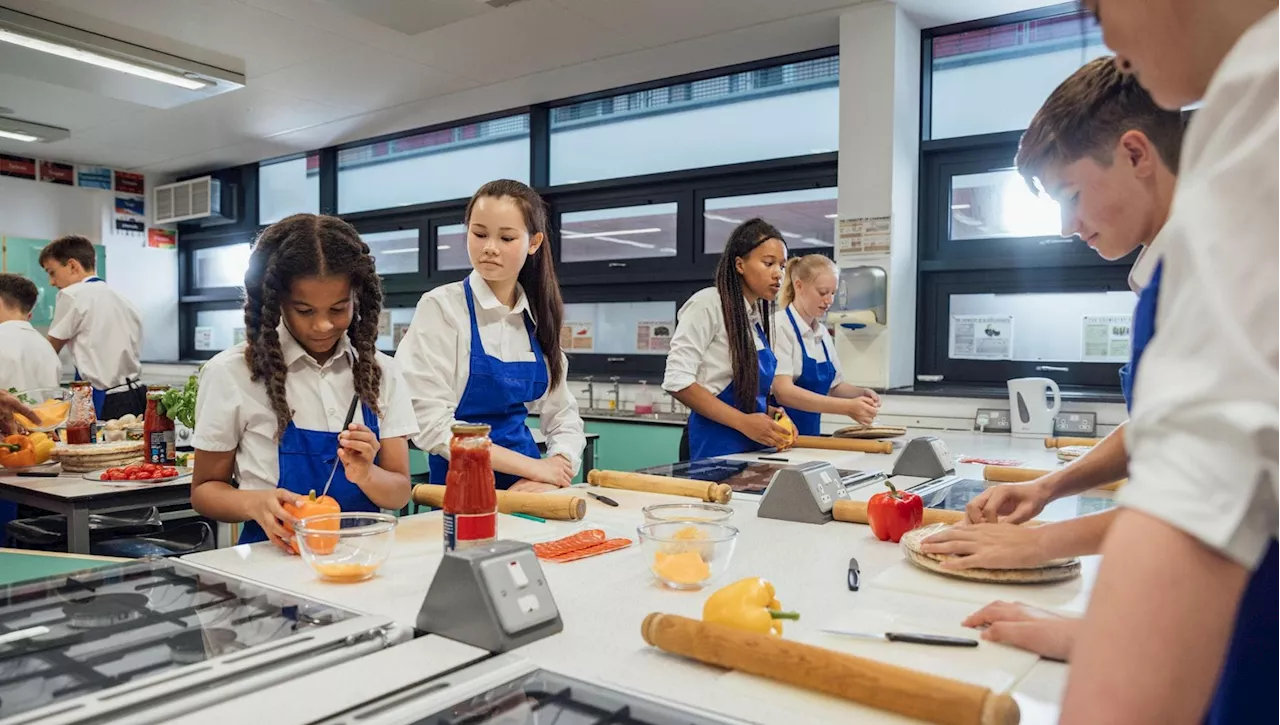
{"x":804,"y":268}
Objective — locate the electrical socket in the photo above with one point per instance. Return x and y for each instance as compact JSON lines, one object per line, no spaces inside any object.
{"x":1079,"y":425}
{"x":997,"y":420}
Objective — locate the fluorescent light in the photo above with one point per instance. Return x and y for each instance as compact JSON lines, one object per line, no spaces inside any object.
{"x":102,"y":61}
{"x":959,"y":206}
{"x":443,"y":246}
{"x":575,"y":235}
{"x":790,"y":235}
{"x":830,"y":216}
{"x":404,"y":250}
{"x":14,"y":135}
{"x":720,"y":218}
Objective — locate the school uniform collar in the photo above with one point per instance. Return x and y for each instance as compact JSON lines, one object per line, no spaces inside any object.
{"x":753,"y":311}
{"x":487,"y":300}
{"x":815,"y":327}
{"x":1140,"y":274}
{"x":293,"y":351}
{"x":17,"y":324}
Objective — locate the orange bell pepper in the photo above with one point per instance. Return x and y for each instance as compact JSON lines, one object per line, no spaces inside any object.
{"x":313,"y":506}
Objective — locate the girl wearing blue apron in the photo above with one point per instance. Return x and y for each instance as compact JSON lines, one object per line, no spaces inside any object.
{"x":305,"y":403}
{"x":487,"y":349}
{"x":721,"y":364}
{"x":1250,"y":667}
{"x":809,"y":382}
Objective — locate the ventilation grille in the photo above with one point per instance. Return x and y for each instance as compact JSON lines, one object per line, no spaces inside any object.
{"x":187,"y":200}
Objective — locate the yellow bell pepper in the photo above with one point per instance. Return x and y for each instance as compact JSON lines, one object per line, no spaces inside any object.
{"x":749,"y":605}
{"x":43,"y":446}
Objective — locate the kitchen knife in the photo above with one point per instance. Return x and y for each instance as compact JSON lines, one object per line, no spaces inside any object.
{"x":351,"y":415}
{"x":602,"y":499}
{"x":913,"y":638}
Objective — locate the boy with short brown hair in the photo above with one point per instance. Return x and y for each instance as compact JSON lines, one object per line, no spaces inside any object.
{"x":102,"y":328}
{"x":27,"y":361}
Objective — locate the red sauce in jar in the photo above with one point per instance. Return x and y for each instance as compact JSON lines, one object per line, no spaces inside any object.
{"x":470,"y":496}
{"x":157,"y":430}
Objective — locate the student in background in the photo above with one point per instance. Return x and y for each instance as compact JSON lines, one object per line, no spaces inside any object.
{"x":1182,"y":622}
{"x":271,"y":409}
{"x":809,"y":382}
{"x":487,"y":349}
{"x":102,"y":329}
{"x":27,"y":360}
{"x":721,"y":364}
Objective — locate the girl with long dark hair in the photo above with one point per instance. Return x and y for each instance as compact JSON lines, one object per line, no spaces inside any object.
{"x":721,"y":363}
{"x":487,"y":349}
{"x":271,"y":409}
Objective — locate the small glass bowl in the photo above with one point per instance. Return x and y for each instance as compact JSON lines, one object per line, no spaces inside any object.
{"x":687,"y":555}
{"x":345,"y":547}
{"x":52,"y":405}
{"x":712,"y":512}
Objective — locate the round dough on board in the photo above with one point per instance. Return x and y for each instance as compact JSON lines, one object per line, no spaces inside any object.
{"x":870,"y":432}
{"x":1070,"y":453}
{"x":1051,"y":571}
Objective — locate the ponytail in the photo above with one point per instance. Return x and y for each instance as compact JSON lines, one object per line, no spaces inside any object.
{"x":804,"y":268}
{"x":733,"y":305}
{"x":538,"y":275}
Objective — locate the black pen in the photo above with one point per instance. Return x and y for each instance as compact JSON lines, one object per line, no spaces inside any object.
{"x":774,"y":458}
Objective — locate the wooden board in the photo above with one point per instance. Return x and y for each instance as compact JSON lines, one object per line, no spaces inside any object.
{"x":1053,"y":571}
{"x":871,"y":432}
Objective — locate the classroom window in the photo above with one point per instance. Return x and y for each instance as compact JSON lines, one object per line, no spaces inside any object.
{"x":805,"y":217}
{"x":1041,"y":327}
{"x":395,"y":252}
{"x":217,"y":330}
{"x":223,"y":266}
{"x":781,"y":111}
{"x":995,"y":78}
{"x":995,"y":204}
{"x":392,"y":327}
{"x":449,"y":163}
{"x":632,"y":232}
{"x":618,"y":328}
{"x":288,"y":186}
{"x":451,"y":247}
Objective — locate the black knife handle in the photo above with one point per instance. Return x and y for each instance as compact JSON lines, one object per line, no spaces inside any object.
{"x":934,"y":639}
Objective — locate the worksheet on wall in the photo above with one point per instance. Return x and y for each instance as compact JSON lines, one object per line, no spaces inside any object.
{"x":981,"y":337}
{"x":1106,"y":338}
{"x":577,"y":336}
{"x":654,"y":336}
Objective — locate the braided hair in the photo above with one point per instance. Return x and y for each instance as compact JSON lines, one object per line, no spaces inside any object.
{"x":308,"y":245}
{"x":737,"y":325}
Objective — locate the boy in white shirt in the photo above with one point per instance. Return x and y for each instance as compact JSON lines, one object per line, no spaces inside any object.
{"x":101,"y":327}
{"x":27,"y":360}
{"x":1182,"y":623}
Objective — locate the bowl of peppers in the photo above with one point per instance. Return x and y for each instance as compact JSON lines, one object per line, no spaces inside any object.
{"x":26,"y":451}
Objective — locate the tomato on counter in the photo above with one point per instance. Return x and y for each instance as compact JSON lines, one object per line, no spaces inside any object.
{"x":139,"y":472}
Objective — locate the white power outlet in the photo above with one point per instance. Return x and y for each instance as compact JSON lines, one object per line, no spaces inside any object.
{"x":992,"y":420}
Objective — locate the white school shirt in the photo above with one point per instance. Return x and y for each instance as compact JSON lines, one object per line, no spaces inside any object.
{"x":234,"y":413}
{"x":1202,"y":441}
{"x":103,"y":330}
{"x":27,"y":360}
{"x":700,"y":347}
{"x":435,"y":357}
{"x":817,"y":341}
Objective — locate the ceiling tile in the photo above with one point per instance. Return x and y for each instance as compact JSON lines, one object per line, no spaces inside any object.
{"x":360,"y":79}
{"x":79,"y":151}
{"x":659,"y":22}
{"x":411,"y":17}
{"x":247,"y":114}
{"x":56,"y":105}
{"x":514,"y":41}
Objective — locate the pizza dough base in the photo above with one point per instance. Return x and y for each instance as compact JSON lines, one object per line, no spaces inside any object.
{"x":870,"y":432}
{"x":1052,"y":571}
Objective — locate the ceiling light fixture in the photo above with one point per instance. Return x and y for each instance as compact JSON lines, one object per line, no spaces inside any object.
{"x":830,"y":216}
{"x":574,"y":235}
{"x":16,"y":130}
{"x":64,"y":41}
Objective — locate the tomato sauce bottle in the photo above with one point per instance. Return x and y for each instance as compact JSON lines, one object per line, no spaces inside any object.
{"x":157,"y":430}
{"x":82,"y":418}
{"x":470,"y":495}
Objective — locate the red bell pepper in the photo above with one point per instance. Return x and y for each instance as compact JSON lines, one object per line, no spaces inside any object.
{"x":893,"y":513}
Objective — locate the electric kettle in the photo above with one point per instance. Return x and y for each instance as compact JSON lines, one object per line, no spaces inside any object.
{"x":1029,"y":417}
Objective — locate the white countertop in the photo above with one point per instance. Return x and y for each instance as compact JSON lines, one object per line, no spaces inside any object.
{"x":604,"y":599}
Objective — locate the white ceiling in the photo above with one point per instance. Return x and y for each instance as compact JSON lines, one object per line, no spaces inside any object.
{"x":321,"y":72}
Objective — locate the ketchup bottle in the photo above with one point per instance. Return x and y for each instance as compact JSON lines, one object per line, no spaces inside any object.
{"x":470,"y":496}
{"x":82,"y":420}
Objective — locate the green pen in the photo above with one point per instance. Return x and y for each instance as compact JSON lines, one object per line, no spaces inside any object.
{"x":531,"y":517}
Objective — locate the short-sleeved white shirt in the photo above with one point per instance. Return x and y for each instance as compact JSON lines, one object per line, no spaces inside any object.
{"x":700,"y":346}
{"x":102,"y":329}
{"x":27,"y":360}
{"x":1202,"y":441}
{"x":234,"y":413}
{"x":816,"y":344}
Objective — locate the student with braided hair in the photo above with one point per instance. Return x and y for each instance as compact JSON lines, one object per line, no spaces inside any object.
{"x":721,"y":362}
{"x":270,"y":410}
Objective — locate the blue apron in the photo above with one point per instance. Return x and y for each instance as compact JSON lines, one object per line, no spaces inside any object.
{"x":306,"y":457}
{"x":815,"y":377}
{"x":496,"y":394}
{"x":708,"y":439}
{"x":1243,"y":693}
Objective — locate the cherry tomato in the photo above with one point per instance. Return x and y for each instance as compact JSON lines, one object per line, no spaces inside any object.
{"x":150,"y":467}
{"x":169,"y":472}
{"x":143,"y":475}
{"x":133,"y":468}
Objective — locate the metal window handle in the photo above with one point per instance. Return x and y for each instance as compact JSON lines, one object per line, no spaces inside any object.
{"x":617,"y":264}
{"x":1051,"y":369}
{"x":613,"y":360}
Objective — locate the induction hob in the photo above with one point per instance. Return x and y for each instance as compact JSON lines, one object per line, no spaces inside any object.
{"x":750,"y":477}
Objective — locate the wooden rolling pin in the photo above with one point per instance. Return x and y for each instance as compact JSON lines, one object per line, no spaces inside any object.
{"x":547,"y":506}
{"x":829,"y":443}
{"x":1064,"y":442}
{"x":705,"y":490}
{"x":867,"y":682}
{"x":1011,"y":474}
{"x":855,"y":512}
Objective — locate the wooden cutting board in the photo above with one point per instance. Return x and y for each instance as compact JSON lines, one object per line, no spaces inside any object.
{"x":870,"y":432}
{"x":1052,"y":571}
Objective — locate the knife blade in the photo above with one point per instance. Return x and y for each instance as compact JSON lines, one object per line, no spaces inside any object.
{"x":351,"y":415}
{"x":910,"y":637}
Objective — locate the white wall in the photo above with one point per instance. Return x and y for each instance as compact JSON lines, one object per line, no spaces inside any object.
{"x":147,"y":277}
